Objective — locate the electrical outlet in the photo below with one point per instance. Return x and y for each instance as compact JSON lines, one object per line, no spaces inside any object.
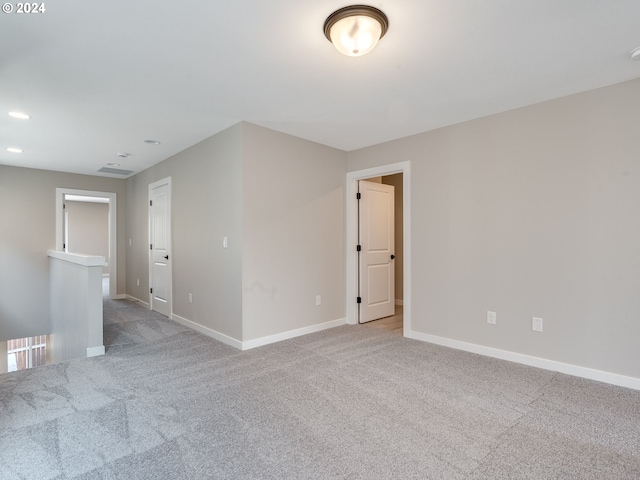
{"x":491,"y":317}
{"x":138,"y":282}
{"x":318,"y":299}
{"x":129,"y":242}
{"x":225,"y":242}
{"x":190,"y":298}
{"x":536,"y":324}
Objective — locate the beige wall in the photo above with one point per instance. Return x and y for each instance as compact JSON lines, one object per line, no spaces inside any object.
{"x":293,"y":224}
{"x":531,"y":212}
{"x":88,"y":227}
{"x":206,"y":206}
{"x":27,"y":231}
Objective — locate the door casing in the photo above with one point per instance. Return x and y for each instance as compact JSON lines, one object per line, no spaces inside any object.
{"x":352,"y":237}
{"x":113,"y":235}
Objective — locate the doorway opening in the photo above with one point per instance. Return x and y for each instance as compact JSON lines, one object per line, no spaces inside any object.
{"x":75,"y":235}
{"x":384,"y":174}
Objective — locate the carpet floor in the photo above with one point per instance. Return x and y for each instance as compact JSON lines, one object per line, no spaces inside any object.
{"x":166,"y":402}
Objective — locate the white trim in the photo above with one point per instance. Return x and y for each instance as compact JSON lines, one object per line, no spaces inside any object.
{"x":208,"y":332}
{"x":554,"y":366}
{"x":278,"y":337}
{"x":352,"y":231}
{"x":95,"y":351}
{"x":77,"y":258}
{"x":113,"y":229}
{"x":159,"y":183}
{"x":134,"y":299}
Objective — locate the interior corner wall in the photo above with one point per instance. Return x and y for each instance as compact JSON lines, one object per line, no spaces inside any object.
{"x":206,"y":196}
{"x":293,"y":231}
{"x":27,"y":231}
{"x":531,"y":212}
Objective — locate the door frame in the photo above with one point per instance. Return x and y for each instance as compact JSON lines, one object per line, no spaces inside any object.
{"x":167,"y":182}
{"x":351,"y":215}
{"x":113,"y":230}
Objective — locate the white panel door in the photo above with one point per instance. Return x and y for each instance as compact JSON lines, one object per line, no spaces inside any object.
{"x":160,"y":246}
{"x":377,"y":277}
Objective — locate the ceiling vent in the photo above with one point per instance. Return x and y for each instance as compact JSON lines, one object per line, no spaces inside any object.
{"x":115,"y":171}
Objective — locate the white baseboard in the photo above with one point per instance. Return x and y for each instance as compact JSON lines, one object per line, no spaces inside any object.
{"x":134,"y":299}
{"x":95,"y":351}
{"x":576,"y":371}
{"x":278,"y":337}
{"x":221,"y":337}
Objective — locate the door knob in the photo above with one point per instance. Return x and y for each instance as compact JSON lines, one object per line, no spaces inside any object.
{"x":166,"y":257}
{"x":392,"y":256}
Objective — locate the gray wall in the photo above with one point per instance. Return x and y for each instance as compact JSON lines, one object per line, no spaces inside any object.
{"x":293,"y":223}
{"x":206,"y":206}
{"x":532,"y":212}
{"x":27,"y":231}
{"x":88,"y":227}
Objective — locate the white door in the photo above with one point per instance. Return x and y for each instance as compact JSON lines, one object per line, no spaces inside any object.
{"x":377,"y":278}
{"x":160,"y":246}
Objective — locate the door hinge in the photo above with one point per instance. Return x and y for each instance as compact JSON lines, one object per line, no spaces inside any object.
{"x":64,"y":205}
{"x":151,"y":246}
{"x":64,"y":245}
{"x":151,"y":203}
{"x":151,"y":290}
{"x":358,"y":196}
{"x":359,"y":300}
{"x":358,"y":248}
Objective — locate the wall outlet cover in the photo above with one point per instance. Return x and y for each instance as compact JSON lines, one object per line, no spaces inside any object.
{"x":491,"y":317}
{"x":536,"y":324}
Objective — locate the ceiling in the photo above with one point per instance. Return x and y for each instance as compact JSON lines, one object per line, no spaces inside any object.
{"x":100,"y":77}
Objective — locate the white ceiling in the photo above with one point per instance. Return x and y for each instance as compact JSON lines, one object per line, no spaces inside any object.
{"x":101,"y":76}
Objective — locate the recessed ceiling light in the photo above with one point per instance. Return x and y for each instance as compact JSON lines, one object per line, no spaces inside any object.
{"x":14,"y":150}
{"x":20,"y":115}
{"x":123,"y":155}
{"x":113,"y":164}
{"x":152,"y":142}
{"x":355,"y":30}
{"x":635,"y":53}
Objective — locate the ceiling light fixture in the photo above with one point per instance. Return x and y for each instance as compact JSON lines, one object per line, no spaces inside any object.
{"x":152,"y":142}
{"x":14,"y":150}
{"x":113,"y":164}
{"x":20,"y":115}
{"x":635,"y":53}
{"x":123,"y":155}
{"x":355,"y":30}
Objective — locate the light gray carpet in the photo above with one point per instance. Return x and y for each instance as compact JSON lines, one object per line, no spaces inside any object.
{"x":351,"y":403}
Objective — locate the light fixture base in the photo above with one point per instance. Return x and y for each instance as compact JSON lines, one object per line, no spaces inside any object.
{"x":355,"y":30}
{"x":352,"y":11}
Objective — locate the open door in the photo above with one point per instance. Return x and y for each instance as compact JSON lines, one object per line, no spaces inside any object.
{"x":376,"y":251}
{"x":160,"y":246}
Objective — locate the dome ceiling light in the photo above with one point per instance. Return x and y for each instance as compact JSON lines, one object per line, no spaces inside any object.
{"x":355,"y":30}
